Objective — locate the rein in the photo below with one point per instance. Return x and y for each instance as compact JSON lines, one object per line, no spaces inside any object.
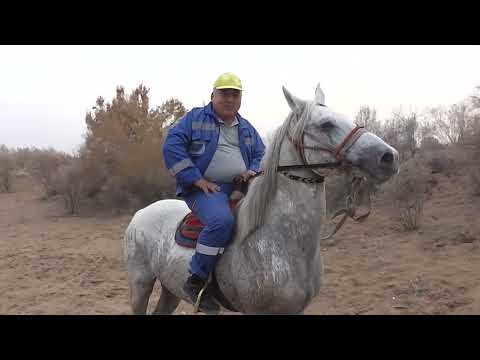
{"x":350,"y":209}
{"x":339,"y":154}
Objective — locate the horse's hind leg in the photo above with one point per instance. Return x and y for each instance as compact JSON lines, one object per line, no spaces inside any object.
{"x":141,"y":286}
{"x":167,"y":303}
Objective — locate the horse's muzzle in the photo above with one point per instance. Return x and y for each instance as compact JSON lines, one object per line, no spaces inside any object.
{"x":388,"y":162}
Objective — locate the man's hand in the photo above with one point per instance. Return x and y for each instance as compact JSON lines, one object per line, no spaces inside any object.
{"x":206,"y":186}
{"x":245,"y":176}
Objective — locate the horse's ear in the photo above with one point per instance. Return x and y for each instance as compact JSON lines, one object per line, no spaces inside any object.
{"x":319,"y":96}
{"x":295,"y":103}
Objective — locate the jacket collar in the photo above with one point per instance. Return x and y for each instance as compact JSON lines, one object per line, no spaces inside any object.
{"x":209,"y":111}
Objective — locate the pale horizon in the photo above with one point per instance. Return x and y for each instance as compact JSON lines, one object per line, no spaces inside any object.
{"x":45,"y":91}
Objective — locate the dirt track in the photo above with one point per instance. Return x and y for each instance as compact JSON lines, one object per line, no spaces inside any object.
{"x":52,"y":263}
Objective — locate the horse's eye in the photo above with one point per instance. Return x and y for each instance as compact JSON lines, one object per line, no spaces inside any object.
{"x":328,"y":125}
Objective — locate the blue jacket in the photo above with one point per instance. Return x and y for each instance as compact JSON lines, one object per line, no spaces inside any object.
{"x":191,"y":143}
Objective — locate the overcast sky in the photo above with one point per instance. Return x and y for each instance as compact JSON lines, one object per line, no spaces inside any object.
{"x":45,"y":91}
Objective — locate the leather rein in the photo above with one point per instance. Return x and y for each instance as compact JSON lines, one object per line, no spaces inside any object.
{"x":339,"y":154}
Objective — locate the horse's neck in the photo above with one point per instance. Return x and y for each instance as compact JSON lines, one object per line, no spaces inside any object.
{"x":306,"y":201}
{"x":289,"y":155}
{"x":294,"y":203}
{"x":300,"y":203}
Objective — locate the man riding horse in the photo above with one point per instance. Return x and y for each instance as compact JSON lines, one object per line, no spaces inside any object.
{"x":206,"y":151}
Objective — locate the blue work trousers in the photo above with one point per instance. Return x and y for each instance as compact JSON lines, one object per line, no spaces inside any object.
{"x":214,"y":213}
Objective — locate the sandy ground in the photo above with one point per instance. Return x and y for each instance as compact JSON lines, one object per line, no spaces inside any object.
{"x":52,"y":263}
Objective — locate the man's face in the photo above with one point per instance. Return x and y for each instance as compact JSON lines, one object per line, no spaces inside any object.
{"x":226,"y":102}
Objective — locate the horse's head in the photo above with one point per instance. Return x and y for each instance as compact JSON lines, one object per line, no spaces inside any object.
{"x":326,"y":137}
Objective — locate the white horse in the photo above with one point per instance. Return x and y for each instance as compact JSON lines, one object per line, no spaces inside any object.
{"x":273,"y":264}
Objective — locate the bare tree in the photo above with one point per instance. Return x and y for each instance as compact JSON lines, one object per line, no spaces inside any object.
{"x":392,"y":132}
{"x":475,"y":98}
{"x":453,"y":123}
{"x":428,"y":139}
{"x":408,"y":125}
{"x":367,"y":116}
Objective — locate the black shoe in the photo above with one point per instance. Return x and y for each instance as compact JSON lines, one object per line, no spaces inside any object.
{"x":192,"y":288}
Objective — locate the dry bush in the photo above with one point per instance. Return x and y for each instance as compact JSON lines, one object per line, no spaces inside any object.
{"x":95,"y":175}
{"x":23,"y":158}
{"x":475,"y":181}
{"x":411,"y":212}
{"x":407,"y":191}
{"x":114,"y":194}
{"x":69,"y":183}
{"x":439,"y":164}
{"x":475,"y":156}
{"x":6,"y":171}
{"x":43,"y":165}
{"x":123,"y":166}
{"x":430,"y":143}
{"x":462,"y":157}
{"x":134,"y":192}
{"x":452,"y":160}
{"x":151,"y":186}
{"x":474,"y":139}
{"x":120,"y":165}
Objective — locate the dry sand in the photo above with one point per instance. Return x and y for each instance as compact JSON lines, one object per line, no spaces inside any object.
{"x":53,"y":263}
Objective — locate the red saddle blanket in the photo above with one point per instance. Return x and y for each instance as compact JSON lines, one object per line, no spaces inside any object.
{"x":190,"y":227}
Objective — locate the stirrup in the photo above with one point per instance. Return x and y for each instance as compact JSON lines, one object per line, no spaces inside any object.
{"x":199,"y":297}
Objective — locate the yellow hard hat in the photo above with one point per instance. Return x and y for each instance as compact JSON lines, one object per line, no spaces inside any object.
{"x":228,"y":81}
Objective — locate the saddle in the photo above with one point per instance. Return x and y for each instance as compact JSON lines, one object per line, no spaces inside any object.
{"x":190,"y":227}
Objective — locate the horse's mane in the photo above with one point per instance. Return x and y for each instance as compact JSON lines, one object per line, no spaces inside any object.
{"x":255,"y":204}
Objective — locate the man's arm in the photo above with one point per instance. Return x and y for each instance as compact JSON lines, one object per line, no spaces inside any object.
{"x":175,"y":153}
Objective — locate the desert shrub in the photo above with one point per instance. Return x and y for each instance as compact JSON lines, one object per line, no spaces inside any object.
{"x":69,"y":183}
{"x":407,"y":191}
{"x":430,"y":143}
{"x":122,"y":161}
{"x":43,"y":165}
{"x":114,"y":194}
{"x":440,"y":164}
{"x":135,"y":191}
{"x":474,"y":175}
{"x":6,"y":171}
{"x":452,"y":160}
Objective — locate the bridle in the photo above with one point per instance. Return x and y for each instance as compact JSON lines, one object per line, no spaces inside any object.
{"x":339,"y":153}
